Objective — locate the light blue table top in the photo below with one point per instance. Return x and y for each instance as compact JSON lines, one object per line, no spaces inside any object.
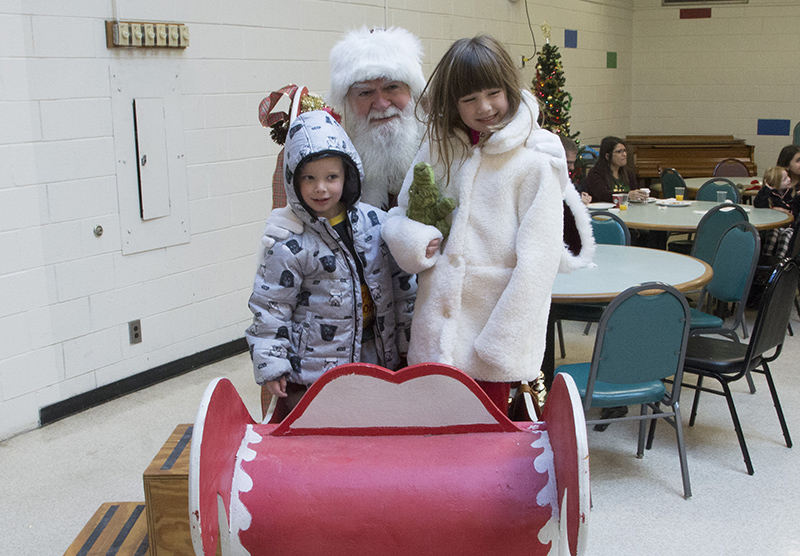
{"x":650,"y":216}
{"x":619,"y":267}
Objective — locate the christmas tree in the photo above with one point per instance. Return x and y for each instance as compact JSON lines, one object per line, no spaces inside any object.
{"x":554,"y":102}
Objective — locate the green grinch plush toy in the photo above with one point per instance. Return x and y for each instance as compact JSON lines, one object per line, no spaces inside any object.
{"x":425,"y":202}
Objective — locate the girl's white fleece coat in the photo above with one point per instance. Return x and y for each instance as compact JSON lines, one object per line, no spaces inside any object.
{"x":484,"y":298}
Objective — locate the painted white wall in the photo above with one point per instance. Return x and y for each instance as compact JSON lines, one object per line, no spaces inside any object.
{"x":66,"y":296}
{"x":718,"y":75}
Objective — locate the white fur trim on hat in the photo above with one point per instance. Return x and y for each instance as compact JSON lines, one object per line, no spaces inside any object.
{"x":364,"y":55}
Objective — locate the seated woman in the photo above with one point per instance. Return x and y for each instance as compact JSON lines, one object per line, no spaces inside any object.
{"x":779,"y":194}
{"x":611,"y":175}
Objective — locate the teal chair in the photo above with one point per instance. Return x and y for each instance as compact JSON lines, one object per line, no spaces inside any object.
{"x":734,"y":264}
{"x":670,"y":179}
{"x":608,"y":229}
{"x":708,"y":191}
{"x":628,"y":367}
{"x":710,"y":229}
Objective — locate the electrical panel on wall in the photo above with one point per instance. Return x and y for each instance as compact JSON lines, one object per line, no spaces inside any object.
{"x":150,"y":155}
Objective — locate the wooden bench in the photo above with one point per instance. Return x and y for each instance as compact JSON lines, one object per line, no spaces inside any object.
{"x":693,"y":156}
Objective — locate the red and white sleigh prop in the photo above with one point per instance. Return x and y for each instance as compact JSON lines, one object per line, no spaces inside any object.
{"x":374,"y":462}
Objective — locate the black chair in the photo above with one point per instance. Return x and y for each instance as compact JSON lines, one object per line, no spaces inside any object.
{"x":727,"y":361}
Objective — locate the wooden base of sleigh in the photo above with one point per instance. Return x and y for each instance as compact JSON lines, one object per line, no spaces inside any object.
{"x":162,"y":520}
{"x":118,"y":528}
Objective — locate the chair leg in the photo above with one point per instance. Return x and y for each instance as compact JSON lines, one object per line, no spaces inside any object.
{"x":588,"y":327}
{"x":642,"y":431}
{"x":777,"y":403}
{"x":561,"y":339}
{"x":737,"y":426}
{"x":652,"y":434}
{"x":752,"y":385}
{"x":696,"y":401}
{"x":687,"y":487}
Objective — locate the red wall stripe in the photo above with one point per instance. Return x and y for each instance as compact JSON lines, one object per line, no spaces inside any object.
{"x":695,"y":13}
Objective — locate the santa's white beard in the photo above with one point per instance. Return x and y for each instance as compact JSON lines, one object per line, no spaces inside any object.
{"x":387,"y":151}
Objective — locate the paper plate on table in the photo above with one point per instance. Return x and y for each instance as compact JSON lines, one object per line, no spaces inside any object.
{"x":600,"y":206}
{"x":649,"y":200}
{"x":672,"y":203}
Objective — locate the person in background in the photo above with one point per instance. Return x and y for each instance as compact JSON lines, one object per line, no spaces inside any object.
{"x":571,"y":150}
{"x":330,"y":292}
{"x":777,"y":193}
{"x":611,"y":174}
{"x":789,"y":158}
{"x":484,"y":291}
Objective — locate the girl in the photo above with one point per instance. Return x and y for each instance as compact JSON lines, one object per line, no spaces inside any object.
{"x":611,"y":174}
{"x":484,"y":291}
{"x":779,"y":194}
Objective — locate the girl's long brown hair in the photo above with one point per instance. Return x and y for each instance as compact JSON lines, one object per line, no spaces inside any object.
{"x":468,"y":66}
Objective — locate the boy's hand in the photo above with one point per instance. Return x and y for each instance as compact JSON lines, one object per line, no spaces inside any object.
{"x":277,"y":387}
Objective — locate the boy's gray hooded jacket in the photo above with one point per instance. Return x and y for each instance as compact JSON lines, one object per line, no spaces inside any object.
{"x":306,"y":298}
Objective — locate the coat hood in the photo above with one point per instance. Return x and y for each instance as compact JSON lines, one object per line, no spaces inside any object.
{"x":317,"y":133}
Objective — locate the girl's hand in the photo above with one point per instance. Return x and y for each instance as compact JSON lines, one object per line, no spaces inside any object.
{"x":783,"y":210}
{"x":586,"y":198}
{"x":432,"y":247}
{"x":277,"y":387}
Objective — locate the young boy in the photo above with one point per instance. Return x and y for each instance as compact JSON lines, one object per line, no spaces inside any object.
{"x":329,"y":293}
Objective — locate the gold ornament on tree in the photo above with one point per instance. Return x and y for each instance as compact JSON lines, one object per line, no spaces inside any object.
{"x":546,"y":32}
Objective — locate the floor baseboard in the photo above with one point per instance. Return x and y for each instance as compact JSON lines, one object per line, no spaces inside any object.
{"x":81,"y":402}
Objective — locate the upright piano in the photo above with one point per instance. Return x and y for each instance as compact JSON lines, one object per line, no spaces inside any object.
{"x":693,"y":156}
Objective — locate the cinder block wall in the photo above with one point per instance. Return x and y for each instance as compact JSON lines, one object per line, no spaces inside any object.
{"x":66,"y":296}
{"x":717,"y":75}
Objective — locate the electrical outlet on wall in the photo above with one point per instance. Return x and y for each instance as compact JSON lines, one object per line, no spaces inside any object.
{"x":135,"y":331}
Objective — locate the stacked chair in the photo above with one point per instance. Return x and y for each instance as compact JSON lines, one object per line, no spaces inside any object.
{"x":709,"y":231}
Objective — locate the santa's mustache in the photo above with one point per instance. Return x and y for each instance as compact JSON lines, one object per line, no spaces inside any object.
{"x":375,"y":115}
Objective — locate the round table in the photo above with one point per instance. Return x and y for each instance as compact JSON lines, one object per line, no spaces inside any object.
{"x":617,"y":268}
{"x":651,"y":216}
